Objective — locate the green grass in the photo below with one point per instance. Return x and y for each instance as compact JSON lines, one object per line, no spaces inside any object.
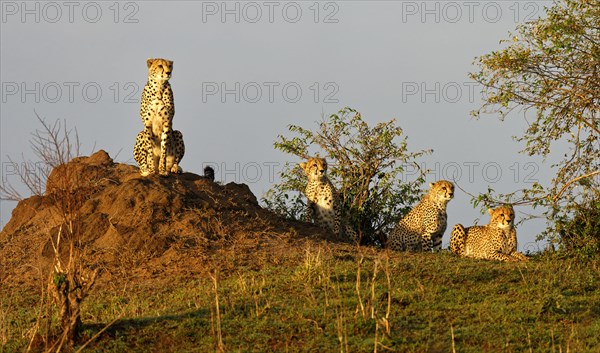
{"x":331,"y":301}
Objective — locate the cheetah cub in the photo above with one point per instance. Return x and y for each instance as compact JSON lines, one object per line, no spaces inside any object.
{"x":426,"y":223}
{"x":494,"y":241}
{"x":157,"y":110}
{"x":324,"y":205}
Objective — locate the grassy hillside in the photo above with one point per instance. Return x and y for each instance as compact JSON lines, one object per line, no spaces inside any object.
{"x":339,"y":298}
{"x":188,"y":265}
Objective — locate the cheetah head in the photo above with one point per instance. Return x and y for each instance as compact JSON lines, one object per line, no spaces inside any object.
{"x":159,"y":69}
{"x":441,"y":190}
{"x":503,"y":216}
{"x":315,"y":168}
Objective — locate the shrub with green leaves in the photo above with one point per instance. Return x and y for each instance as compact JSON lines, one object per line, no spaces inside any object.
{"x":579,"y":229}
{"x":366,"y":164}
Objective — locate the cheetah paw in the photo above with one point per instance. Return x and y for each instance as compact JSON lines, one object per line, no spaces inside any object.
{"x":145,"y":172}
{"x":163,"y":172}
{"x":176,"y":169}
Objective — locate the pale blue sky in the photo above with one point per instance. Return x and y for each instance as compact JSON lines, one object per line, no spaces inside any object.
{"x":292,"y":61}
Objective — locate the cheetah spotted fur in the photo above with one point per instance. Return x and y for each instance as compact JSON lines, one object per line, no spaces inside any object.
{"x":157,"y":110}
{"x":494,"y":241}
{"x":147,"y":152}
{"x":426,"y":223}
{"x":324,"y":205}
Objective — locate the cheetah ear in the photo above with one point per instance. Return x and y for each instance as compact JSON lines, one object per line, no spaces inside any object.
{"x":303,"y":165}
{"x":490,"y":210}
{"x":149,"y":62}
{"x":431,"y":185}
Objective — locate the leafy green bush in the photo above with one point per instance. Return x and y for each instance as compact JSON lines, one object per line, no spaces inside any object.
{"x":365,"y":164}
{"x":579,"y":227}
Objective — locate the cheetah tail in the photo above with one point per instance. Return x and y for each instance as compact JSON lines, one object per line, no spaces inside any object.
{"x":209,"y":173}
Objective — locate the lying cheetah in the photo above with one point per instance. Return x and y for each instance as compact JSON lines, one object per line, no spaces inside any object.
{"x":147,"y":152}
{"x":494,"y":241}
{"x":324,"y":205}
{"x":157,"y":110}
{"x":426,"y":223}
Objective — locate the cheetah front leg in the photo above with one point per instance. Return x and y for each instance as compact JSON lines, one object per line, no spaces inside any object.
{"x":426,"y":242}
{"x":436,"y":240}
{"x":166,"y":118}
{"x":431,"y":230}
{"x":512,"y":244}
{"x":500,"y":256}
{"x":519,"y":256}
{"x":309,"y":212}
{"x":162,"y":163}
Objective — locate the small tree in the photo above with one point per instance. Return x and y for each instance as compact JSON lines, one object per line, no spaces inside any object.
{"x":550,"y":70}
{"x":365,"y":165}
{"x":70,"y":279}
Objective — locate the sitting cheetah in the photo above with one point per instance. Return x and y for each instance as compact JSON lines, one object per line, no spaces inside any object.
{"x":324,"y":205}
{"x":495,"y":241}
{"x":426,"y":223}
{"x":147,"y":152}
{"x":157,"y":110}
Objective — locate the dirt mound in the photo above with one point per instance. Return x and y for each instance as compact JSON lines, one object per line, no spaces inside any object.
{"x":130,"y":226}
